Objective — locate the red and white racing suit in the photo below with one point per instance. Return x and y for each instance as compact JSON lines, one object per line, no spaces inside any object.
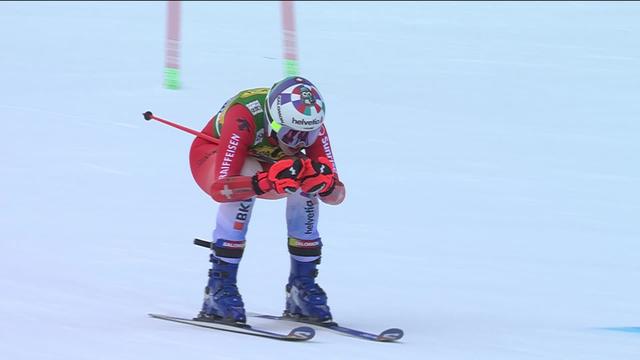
{"x":231,"y":157}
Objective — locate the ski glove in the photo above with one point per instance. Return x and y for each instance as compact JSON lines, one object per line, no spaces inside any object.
{"x":318,"y":177}
{"x":283,"y":177}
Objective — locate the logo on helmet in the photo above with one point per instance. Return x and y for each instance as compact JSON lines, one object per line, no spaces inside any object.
{"x":306,"y":122}
{"x":307,"y":96}
{"x":308,"y":100}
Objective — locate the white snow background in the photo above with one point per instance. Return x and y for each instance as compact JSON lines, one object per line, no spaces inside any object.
{"x":490,"y":153}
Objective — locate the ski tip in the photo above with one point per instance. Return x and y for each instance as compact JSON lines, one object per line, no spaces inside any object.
{"x":391,"y":335}
{"x":302,"y":333}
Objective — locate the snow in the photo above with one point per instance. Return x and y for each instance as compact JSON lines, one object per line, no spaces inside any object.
{"x":490,"y":153}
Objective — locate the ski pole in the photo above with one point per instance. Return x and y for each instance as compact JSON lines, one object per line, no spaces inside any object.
{"x":203,"y":243}
{"x":149,"y":116}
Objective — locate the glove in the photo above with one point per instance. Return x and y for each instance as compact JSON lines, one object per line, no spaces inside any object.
{"x":318,"y":177}
{"x":283,"y":177}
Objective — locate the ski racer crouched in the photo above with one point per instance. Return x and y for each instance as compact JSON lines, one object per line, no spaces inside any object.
{"x":273,"y":144}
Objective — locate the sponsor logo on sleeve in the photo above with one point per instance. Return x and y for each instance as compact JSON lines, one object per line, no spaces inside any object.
{"x":229,"y":154}
{"x":243,"y":125}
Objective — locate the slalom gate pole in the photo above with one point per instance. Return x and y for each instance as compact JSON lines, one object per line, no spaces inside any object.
{"x":290,"y":45}
{"x":172,"y":47}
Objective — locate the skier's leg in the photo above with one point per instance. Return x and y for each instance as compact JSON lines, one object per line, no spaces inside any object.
{"x":305,"y":298}
{"x":222,"y":299}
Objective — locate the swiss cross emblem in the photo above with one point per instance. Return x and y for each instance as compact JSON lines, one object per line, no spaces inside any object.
{"x":226,"y":192}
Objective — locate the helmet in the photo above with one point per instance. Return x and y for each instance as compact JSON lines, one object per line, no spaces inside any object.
{"x":295,"y":111}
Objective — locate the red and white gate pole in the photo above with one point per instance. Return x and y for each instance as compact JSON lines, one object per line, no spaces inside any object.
{"x":289,"y":37}
{"x":172,"y":46}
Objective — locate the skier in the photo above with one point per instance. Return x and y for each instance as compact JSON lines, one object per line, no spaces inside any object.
{"x":273,"y":144}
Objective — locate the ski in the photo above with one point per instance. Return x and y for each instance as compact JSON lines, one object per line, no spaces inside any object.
{"x":301,"y":333}
{"x":388,"y":335}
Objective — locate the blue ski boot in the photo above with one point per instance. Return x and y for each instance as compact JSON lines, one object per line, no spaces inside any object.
{"x":222,"y":301}
{"x":305,"y":298}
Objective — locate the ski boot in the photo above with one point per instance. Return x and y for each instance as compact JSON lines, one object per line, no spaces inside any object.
{"x":305,"y":299}
{"x":222,"y":301}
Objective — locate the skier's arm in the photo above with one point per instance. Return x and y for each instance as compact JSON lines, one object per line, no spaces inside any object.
{"x":322,"y":148}
{"x":237,"y":135}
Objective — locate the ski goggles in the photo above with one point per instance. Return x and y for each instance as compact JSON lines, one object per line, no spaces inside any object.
{"x":295,"y":139}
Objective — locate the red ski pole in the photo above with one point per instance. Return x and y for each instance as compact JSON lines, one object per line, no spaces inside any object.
{"x":149,"y":116}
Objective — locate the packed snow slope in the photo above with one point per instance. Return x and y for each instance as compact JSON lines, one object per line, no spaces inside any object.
{"x":490,"y":153}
